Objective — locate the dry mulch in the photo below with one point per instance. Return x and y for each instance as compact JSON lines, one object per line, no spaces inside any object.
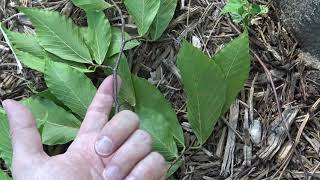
{"x":231,"y":151}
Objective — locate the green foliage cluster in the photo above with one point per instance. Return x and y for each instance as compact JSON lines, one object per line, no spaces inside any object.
{"x":65,"y":53}
{"x":4,"y":176}
{"x":244,"y":11}
{"x":151,"y":16}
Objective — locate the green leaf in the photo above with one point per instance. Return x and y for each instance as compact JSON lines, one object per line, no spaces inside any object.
{"x":232,"y":6}
{"x":99,"y":32}
{"x":263,"y":9}
{"x":4,"y":176}
{"x":158,"y":118}
{"x":58,"y":35}
{"x":173,"y":167}
{"x":27,"y":43}
{"x":205,"y":87}
{"x":255,"y":9}
{"x":143,"y":13}
{"x":259,"y":9}
{"x":78,"y":66}
{"x":91,"y":5}
{"x":70,"y":86}
{"x":31,"y":61}
{"x":116,"y":42}
{"x":84,"y":33}
{"x":126,"y":94}
{"x":39,"y":64}
{"x":57,"y":125}
{"x":5,"y":139}
{"x":236,"y":17}
{"x":46,"y":94}
{"x":32,"y":55}
{"x":234,"y":60}
{"x":75,"y":65}
{"x":163,"y":18}
{"x":4,"y":34}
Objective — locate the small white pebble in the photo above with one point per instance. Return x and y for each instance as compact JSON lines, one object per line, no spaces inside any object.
{"x":196,"y":42}
{"x":2,"y":47}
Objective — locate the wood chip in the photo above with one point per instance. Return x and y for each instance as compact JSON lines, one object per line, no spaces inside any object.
{"x":228,"y":159}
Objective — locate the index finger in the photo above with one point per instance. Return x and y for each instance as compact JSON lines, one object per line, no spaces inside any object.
{"x":100,"y":108}
{"x":25,"y":137}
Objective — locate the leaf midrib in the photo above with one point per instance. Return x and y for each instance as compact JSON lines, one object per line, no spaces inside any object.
{"x":47,"y":27}
{"x":194,"y":77}
{"x":71,"y":90}
{"x":97,"y":43}
{"x":166,"y":146}
{"x":143,"y":13}
{"x":233,"y":61}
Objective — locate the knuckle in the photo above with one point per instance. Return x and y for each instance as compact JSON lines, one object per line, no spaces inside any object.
{"x":107,"y":98}
{"x":96,"y":109}
{"x":100,"y":103}
{"x":129,"y":115}
{"x":145,"y":137}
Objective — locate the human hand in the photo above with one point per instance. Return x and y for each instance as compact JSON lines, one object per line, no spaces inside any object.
{"x":112,"y":151}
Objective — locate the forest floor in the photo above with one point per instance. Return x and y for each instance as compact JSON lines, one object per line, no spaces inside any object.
{"x":234,"y":151}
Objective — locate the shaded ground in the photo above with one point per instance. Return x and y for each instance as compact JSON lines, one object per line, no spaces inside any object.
{"x":297,"y":86}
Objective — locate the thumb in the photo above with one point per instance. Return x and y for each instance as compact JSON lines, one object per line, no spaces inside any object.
{"x":25,"y":137}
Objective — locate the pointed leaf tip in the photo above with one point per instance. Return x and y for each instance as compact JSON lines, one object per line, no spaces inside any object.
{"x":58,"y":35}
{"x":99,"y":35}
{"x":143,"y":13}
{"x":234,"y":60}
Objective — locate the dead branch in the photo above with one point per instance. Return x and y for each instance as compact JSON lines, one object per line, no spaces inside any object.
{"x":116,"y":66}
